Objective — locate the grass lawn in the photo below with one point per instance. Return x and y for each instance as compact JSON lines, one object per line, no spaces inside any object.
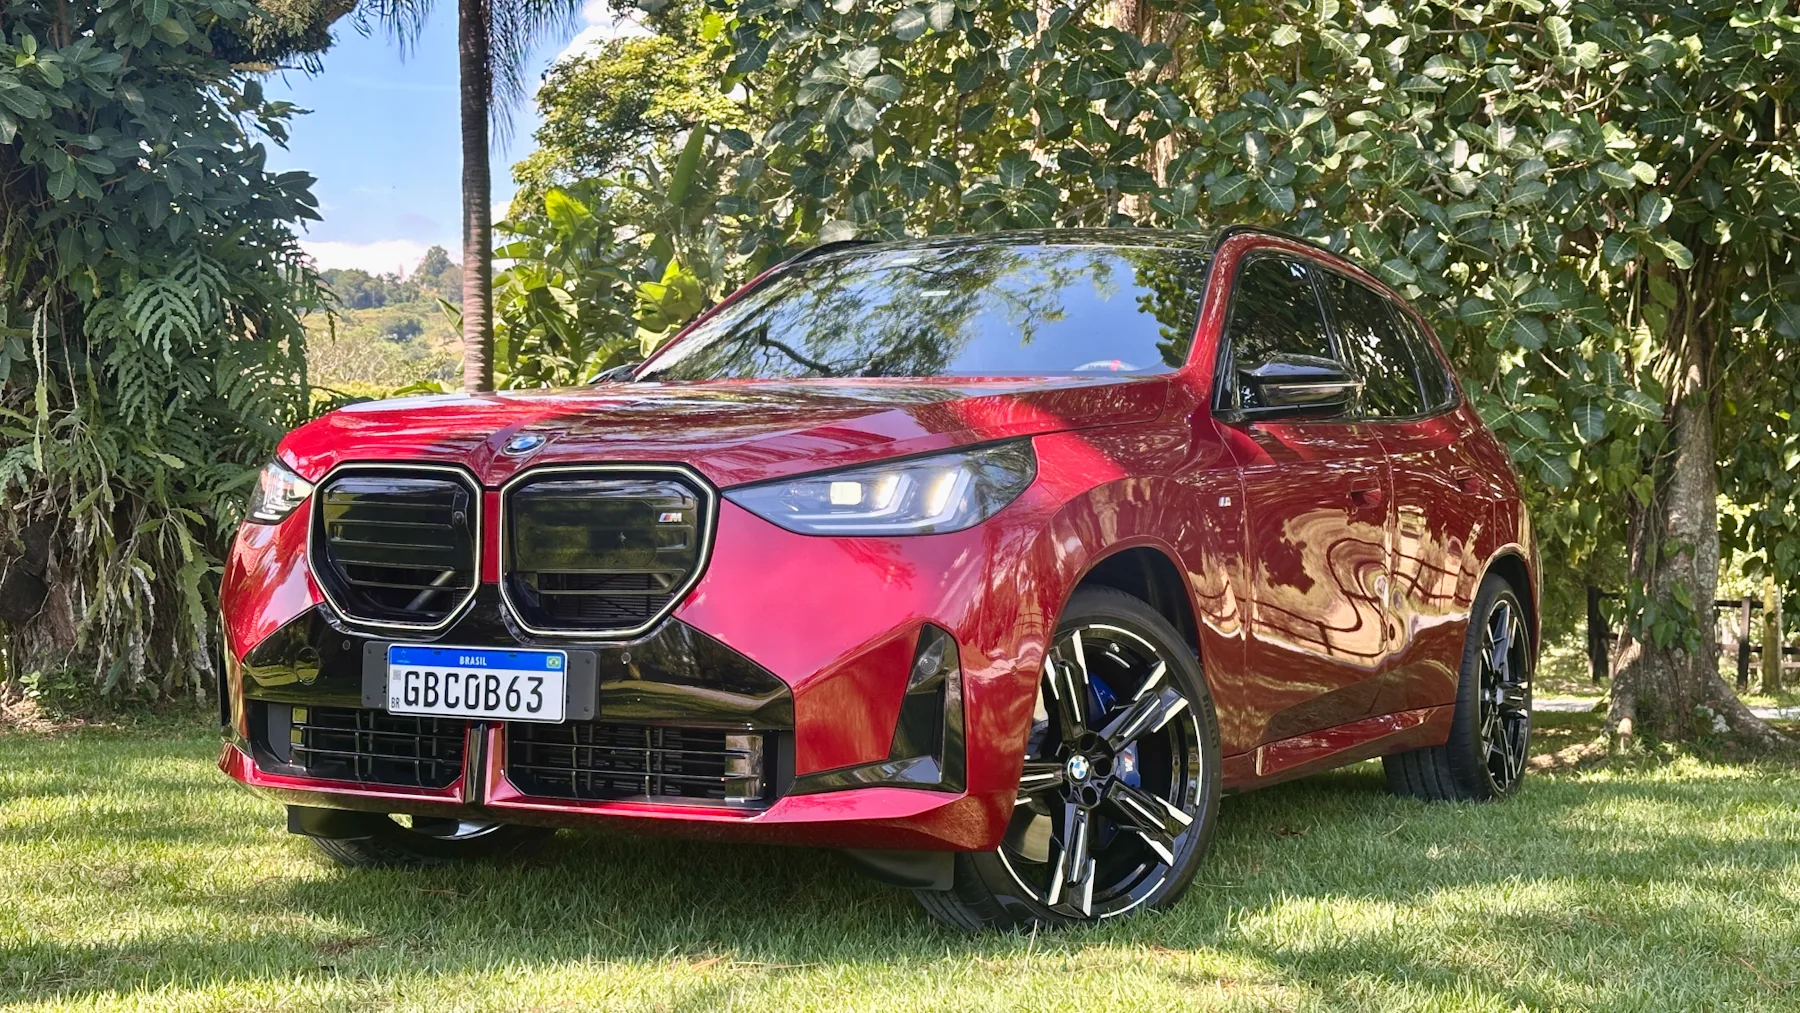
{"x":133,"y":876}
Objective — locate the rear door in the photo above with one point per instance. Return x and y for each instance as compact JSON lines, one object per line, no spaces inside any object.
{"x":1407,"y":402}
{"x":1317,"y":508}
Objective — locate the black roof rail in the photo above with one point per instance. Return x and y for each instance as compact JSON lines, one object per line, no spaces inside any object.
{"x":823,"y":248}
{"x":1263,"y":230}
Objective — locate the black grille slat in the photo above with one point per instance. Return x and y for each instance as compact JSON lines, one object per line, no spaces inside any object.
{"x":359,"y":582}
{"x":375,"y":747}
{"x":596,"y":761}
{"x":601,"y":552}
{"x":397,"y":546}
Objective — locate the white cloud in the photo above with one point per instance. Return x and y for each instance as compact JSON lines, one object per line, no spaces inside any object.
{"x":380,"y":257}
{"x":603,"y":25}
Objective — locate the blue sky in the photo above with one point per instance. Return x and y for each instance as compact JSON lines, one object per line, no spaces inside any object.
{"x":382,"y":140}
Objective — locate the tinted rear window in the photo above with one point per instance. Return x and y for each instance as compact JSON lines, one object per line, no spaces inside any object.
{"x":1000,"y":310}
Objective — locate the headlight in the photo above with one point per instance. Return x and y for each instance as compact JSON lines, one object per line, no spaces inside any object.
{"x":278,"y":492}
{"x":920,"y":496}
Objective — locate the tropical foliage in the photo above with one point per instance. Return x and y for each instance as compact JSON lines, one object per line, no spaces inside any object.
{"x":603,"y":109}
{"x":563,"y":308}
{"x":150,"y":345}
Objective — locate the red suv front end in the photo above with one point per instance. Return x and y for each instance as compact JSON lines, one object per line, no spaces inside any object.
{"x":739,"y":679}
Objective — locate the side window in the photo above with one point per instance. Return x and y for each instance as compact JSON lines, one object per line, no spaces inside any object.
{"x":1274,"y":310}
{"x":1434,"y":376}
{"x":1379,"y":347}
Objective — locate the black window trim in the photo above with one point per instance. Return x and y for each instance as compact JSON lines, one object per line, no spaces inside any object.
{"x":1403,"y":318}
{"x":1224,"y":359}
{"x":1412,"y":321}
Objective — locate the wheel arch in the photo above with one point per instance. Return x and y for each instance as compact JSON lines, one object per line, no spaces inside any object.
{"x":1149,"y":573}
{"x":1509,"y":564}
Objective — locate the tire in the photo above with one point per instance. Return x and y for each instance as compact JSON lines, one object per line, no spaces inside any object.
{"x":1490,"y":733}
{"x":434,"y":842}
{"x":1139,"y":779}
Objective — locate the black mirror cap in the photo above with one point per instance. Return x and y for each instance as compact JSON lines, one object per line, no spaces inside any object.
{"x":1287,"y":384}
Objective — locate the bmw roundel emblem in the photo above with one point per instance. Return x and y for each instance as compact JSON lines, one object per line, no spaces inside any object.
{"x":523,"y":444}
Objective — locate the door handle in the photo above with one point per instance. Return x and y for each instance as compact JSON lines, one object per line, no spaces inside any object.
{"x":1466,"y":480}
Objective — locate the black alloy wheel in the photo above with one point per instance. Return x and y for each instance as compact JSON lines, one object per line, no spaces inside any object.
{"x":1505,"y":697}
{"x":1490,"y":732}
{"x":1120,"y":781}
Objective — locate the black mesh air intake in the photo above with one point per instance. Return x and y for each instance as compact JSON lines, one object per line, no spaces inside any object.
{"x":597,"y":761}
{"x":396,"y":546}
{"x":372,"y":747}
{"x":601,"y":552}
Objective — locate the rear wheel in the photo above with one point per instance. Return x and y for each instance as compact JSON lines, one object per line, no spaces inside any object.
{"x":1120,"y":787}
{"x":420,"y":840}
{"x":1490,"y":735}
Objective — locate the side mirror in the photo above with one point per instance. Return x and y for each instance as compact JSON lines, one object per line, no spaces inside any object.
{"x":1286,"y":384}
{"x":617,"y":374}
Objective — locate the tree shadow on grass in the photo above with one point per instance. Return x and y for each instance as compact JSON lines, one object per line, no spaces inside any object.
{"x":1515,"y":905}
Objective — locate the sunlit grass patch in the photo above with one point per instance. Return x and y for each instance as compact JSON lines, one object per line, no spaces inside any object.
{"x":134,"y":877}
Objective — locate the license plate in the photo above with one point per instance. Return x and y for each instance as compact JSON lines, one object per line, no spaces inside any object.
{"x":477,"y":682}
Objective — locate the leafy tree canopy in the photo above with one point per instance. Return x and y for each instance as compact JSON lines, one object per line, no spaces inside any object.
{"x":1595,"y":202}
{"x":603,"y":109}
{"x":437,"y":276}
{"x":150,"y":347}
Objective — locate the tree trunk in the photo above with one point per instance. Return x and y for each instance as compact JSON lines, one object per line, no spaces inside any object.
{"x":476,"y":84}
{"x":1667,"y":687}
{"x":1771,"y":638}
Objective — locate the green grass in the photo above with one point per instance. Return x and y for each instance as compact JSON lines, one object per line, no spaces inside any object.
{"x":134,"y":877}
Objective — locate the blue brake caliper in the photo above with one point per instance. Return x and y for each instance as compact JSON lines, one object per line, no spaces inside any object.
{"x":1103,"y":700}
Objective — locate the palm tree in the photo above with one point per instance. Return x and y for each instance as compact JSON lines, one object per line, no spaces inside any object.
{"x":493,"y":41}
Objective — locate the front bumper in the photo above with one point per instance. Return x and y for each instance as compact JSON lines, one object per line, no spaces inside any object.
{"x":806,"y":642}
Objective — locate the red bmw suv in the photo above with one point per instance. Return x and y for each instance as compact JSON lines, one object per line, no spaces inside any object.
{"x":992,"y":561}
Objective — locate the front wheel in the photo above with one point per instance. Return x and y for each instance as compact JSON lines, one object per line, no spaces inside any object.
{"x":1490,"y":734}
{"x":1120,"y":787}
{"x":418,"y":841}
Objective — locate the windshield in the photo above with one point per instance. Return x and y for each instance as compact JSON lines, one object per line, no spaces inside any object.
{"x":983,"y":310}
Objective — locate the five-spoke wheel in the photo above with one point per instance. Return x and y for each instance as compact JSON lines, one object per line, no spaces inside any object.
{"x":1120,"y":779}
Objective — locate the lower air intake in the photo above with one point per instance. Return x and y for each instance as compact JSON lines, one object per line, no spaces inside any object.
{"x":375,"y":747}
{"x":593,"y":761}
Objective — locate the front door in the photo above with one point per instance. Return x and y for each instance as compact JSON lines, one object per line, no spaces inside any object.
{"x":1318,"y":506}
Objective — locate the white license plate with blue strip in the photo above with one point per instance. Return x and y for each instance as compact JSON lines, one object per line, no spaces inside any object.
{"x":477,"y":682}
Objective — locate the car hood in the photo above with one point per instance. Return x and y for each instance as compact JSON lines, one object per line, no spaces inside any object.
{"x":732,"y":431}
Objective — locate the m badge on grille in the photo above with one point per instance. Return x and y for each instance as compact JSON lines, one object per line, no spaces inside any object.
{"x":669,"y":517}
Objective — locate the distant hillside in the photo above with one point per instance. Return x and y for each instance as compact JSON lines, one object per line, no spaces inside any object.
{"x":389,"y":331}
{"x":376,"y":350}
